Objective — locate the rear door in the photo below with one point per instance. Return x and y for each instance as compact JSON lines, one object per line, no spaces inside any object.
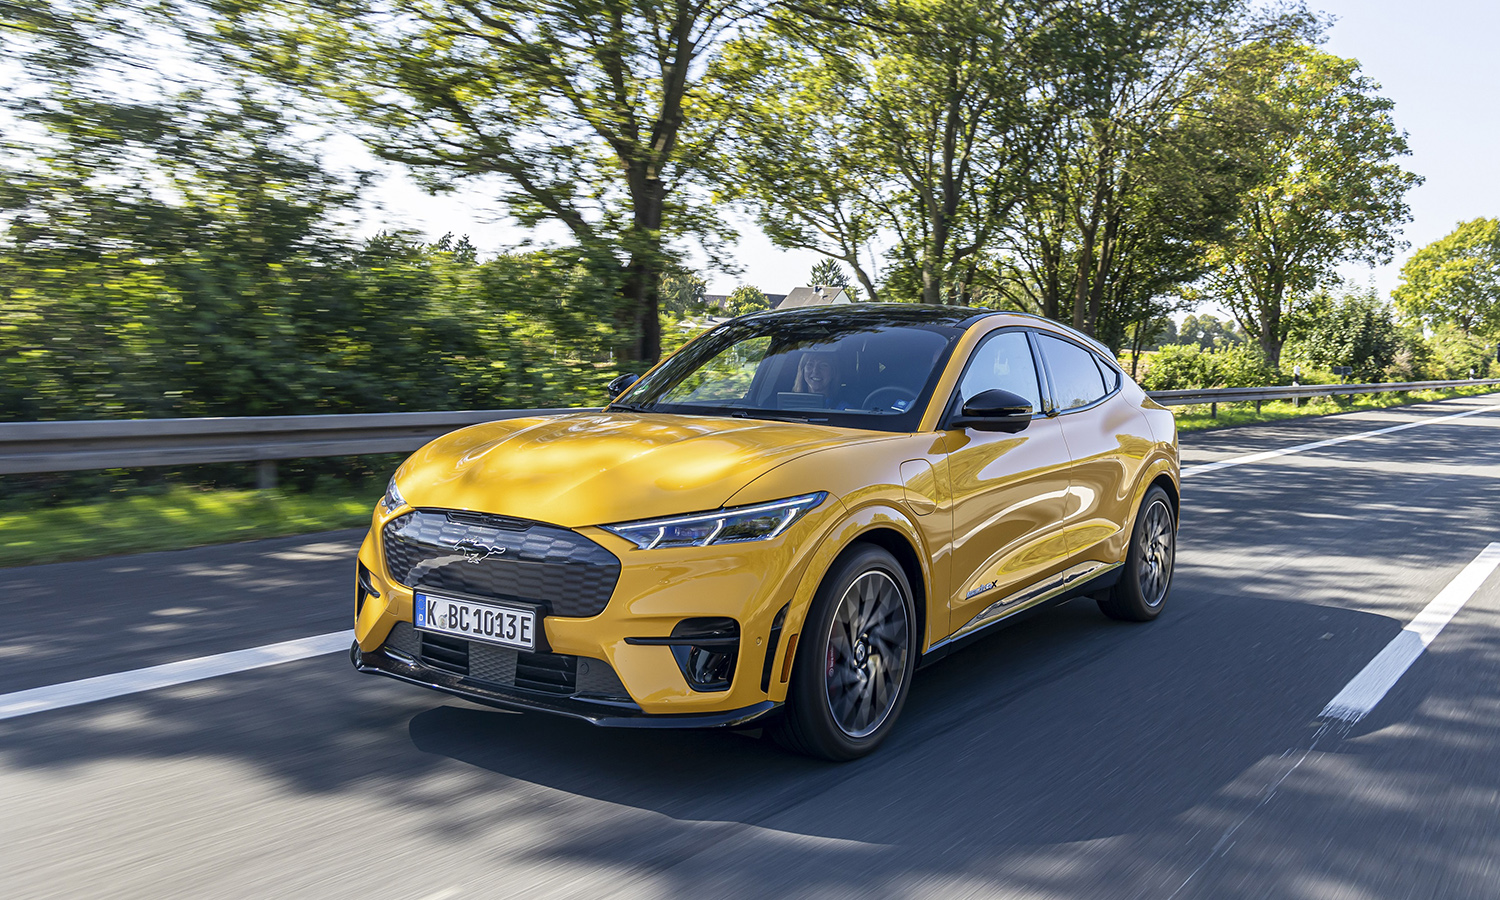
{"x":1108,"y":439}
{"x":1007,"y":489}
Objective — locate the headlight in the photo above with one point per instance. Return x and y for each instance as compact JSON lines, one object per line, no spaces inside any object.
{"x":725,"y":526}
{"x":392,"y":500}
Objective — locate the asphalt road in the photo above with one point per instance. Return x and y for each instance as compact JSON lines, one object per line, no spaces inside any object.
{"x":1066,"y":757}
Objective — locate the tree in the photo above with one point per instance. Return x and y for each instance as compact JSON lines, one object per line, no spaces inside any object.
{"x":1455,"y":280}
{"x":1146,"y":163}
{"x":682,"y":295}
{"x":746,"y":299}
{"x":583,"y":110}
{"x":828,"y":273}
{"x":1207,"y":331}
{"x":1333,"y":190}
{"x":1352,"y":328}
{"x":897,"y":116}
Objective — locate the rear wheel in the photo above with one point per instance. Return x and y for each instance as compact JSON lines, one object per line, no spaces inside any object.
{"x":1142,"y":589}
{"x":854,"y":660}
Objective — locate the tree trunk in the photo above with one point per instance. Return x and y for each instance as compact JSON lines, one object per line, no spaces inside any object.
{"x":1081,"y":280}
{"x":641,"y":291}
{"x":1270,"y":347}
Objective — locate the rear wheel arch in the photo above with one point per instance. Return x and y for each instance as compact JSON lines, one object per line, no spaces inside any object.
{"x":1167,"y":484}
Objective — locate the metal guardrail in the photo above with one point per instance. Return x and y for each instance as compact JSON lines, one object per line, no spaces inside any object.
{"x":1300,"y":391}
{"x":33,"y":447}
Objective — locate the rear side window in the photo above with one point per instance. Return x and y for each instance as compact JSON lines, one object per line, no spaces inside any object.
{"x":1111,"y":377}
{"x":1075,"y":375}
{"x":1003,"y":361}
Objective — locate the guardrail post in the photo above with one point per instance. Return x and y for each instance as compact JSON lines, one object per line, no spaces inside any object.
{"x":265,"y":474}
{"x":1213,"y":410}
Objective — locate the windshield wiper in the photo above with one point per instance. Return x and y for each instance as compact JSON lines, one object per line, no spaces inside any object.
{"x":741,"y":414}
{"x":629,"y":407}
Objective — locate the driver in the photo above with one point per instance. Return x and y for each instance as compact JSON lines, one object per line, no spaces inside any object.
{"x":817,"y":373}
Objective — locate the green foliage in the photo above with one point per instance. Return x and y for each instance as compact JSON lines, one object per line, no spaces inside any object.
{"x":746,"y":299}
{"x":1182,"y":366}
{"x":389,"y":325}
{"x":828,"y":273}
{"x":181,"y":517}
{"x":1332,"y":189}
{"x":1207,"y":331}
{"x":1355,"y":329}
{"x":682,"y":295}
{"x":1459,"y":355}
{"x":1455,"y":279}
{"x":577,"y":113}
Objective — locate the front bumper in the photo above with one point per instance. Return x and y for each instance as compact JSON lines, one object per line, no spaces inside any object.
{"x":608,"y":714}
{"x":751,"y":583}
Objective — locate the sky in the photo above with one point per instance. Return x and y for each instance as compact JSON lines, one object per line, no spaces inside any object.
{"x":1436,"y":59}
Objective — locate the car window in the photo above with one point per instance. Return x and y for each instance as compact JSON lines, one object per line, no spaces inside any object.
{"x":1111,"y":376}
{"x":726,"y":377}
{"x":863,"y":369}
{"x":1003,"y":361}
{"x":1075,"y":375}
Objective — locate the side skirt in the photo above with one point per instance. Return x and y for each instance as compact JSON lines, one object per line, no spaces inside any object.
{"x":1084,"y":578}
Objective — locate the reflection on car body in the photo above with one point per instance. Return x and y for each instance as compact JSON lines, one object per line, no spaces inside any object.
{"x":777,"y":524}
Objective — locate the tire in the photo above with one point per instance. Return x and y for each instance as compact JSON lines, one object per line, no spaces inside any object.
{"x":1142,"y":590}
{"x":854,"y":660}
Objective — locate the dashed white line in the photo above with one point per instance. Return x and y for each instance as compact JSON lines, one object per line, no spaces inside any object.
{"x":1372,"y":683}
{"x":1302,"y":448}
{"x":103,"y":687}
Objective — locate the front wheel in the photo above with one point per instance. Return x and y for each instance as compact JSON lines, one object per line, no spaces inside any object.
{"x":854,"y":660}
{"x":1142,"y":588}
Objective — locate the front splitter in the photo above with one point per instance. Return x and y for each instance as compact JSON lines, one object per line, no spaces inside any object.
{"x":602,"y":713}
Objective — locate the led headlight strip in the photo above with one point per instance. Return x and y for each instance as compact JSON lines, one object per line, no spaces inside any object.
{"x":392,"y":500}
{"x":736,"y":525}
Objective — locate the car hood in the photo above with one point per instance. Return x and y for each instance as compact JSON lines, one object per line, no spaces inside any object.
{"x":597,"y":468}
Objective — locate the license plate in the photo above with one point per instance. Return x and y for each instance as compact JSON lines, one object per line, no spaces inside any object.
{"x":503,"y":625}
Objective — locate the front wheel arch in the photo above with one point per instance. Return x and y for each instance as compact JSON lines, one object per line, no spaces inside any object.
{"x":812,"y":721}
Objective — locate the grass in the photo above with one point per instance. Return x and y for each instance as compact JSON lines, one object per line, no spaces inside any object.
{"x":182,"y":517}
{"x":191,"y":517}
{"x":1197,"y":418}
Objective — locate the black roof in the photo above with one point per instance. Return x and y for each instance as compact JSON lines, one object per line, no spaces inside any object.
{"x":876,"y":314}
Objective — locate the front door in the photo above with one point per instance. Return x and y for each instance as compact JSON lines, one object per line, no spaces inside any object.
{"x":1008,"y":489}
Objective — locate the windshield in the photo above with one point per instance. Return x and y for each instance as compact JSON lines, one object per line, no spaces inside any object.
{"x":841,"y":369}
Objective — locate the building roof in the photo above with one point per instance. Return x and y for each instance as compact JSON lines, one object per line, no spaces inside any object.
{"x":819,"y":296}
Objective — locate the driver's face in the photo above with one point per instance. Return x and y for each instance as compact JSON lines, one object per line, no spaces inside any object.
{"x":817,"y":374}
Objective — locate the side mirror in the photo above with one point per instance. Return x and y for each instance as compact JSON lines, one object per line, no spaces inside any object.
{"x":994,"y":410}
{"x":620,"y":385}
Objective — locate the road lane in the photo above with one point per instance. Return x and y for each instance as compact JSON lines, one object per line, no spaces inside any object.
{"x":75,"y":620}
{"x":1068,"y":756}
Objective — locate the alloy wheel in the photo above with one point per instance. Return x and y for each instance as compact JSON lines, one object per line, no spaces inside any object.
{"x":865,"y":654}
{"x":1157,"y":553}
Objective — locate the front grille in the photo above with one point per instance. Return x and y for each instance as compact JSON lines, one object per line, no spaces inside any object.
{"x":501,"y":558}
{"x":549,"y":673}
{"x":446,"y":653}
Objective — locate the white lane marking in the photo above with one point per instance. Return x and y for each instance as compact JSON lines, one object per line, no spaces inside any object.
{"x":1284,"y":451}
{"x":103,"y":687}
{"x":1369,"y":687}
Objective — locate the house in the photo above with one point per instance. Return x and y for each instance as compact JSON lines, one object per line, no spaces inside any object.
{"x":818,"y":296}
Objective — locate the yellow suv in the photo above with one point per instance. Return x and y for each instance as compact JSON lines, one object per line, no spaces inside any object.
{"x":776,"y":525}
